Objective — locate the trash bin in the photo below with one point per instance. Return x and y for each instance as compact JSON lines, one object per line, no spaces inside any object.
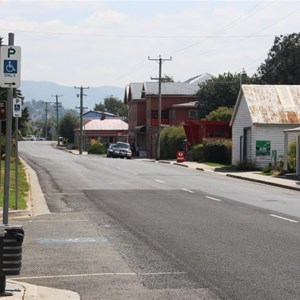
{"x":11,"y":250}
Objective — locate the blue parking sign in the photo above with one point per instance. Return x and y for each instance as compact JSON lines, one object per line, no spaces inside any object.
{"x":10,"y":66}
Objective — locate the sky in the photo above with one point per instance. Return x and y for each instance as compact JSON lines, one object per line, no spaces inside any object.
{"x":97,"y":43}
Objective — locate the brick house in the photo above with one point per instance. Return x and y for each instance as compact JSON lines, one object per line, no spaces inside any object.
{"x":178,"y":104}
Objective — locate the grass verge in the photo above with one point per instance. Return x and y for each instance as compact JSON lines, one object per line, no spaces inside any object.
{"x":23,"y":186}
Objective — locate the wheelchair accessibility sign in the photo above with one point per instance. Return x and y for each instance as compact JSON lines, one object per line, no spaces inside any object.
{"x":10,"y":68}
{"x":17,"y":107}
{"x":10,"y":75}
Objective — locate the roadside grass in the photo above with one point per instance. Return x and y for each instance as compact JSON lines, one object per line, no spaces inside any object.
{"x":23,"y":186}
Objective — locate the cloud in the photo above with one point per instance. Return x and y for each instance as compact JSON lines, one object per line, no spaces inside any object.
{"x":108,"y":42}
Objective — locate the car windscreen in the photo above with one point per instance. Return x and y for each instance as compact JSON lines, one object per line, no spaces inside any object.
{"x":123,"y":145}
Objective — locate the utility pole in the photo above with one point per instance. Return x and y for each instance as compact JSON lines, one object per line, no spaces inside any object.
{"x":46,"y":111}
{"x":57,"y":105}
{"x":160,"y":61}
{"x":81,"y":115}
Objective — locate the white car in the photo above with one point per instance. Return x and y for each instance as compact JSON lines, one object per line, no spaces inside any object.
{"x":29,"y":138}
{"x":122,"y":150}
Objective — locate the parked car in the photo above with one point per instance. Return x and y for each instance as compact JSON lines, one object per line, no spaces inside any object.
{"x":110,"y":150}
{"x":40,"y":138}
{"x":29,"y":138}
{"x":122,"y":150}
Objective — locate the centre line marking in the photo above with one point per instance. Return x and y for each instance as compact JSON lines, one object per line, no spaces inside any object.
{"x":212,"y":198}
{"x":283,"y":218}
{"x":189,"y":191}
{"x":160,"y":181}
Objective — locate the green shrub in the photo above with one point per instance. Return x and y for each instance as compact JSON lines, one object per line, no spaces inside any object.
{"x":197,"y":153}
{"x":217,"y":150}
{"x":171,"y":140}
{"x":97,"y":148}
{"x":292,"y":157}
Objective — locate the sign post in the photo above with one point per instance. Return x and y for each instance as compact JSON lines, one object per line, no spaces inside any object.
{"x":10,"y":78}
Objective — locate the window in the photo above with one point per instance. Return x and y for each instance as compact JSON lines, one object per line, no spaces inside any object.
{"x":193,"y":114}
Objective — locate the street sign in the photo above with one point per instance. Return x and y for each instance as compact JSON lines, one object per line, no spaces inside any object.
{"x":17,"y":107}
{"x":10,"y":66}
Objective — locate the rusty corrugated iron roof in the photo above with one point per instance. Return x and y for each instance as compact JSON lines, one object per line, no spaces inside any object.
{"x":272,"y":104}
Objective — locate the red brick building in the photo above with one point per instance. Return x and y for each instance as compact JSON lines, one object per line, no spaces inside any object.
{"x":178,"y":104}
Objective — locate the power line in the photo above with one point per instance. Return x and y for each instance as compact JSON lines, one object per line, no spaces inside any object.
{"x":140,"y":36}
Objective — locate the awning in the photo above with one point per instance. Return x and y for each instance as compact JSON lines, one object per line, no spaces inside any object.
{"x":293,"y":130}
{"x":139,"y":129}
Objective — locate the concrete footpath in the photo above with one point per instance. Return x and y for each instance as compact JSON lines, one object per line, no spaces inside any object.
{"x":25,"y":291}
{"x":289,"y":181}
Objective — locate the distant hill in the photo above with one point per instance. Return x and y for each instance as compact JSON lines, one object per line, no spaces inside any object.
{"x":43,"y":90}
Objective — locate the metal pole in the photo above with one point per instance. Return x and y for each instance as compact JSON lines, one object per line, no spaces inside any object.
{"x":8,"y":144}
{"x":16,"y":164}
{"x":0,"y":153}
{"x":7,"y":163}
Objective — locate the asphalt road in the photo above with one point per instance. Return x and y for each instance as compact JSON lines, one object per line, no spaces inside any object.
{"x":131,"y":229}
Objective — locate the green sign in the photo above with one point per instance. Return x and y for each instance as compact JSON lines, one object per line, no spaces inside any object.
{"x":263,"y":148}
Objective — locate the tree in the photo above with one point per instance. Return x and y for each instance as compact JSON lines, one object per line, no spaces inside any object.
{"x":167,"y":78}
{"x":220,"y":114}
{"x":99,"y":107}
{"x":23,"y":122}
{"x":282,"y":65}
{"x":221,"y":91}
{"x":67,"y":125}
{"x":113,"y":105}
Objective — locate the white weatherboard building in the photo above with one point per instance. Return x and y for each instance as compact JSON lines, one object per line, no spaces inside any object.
{"x":261,"y":114}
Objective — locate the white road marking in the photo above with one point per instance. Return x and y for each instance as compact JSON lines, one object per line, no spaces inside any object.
{"x":99,"y":274}
{"x":212,"y":198}
{"x":189,"y":191}
{"x":283,"y":218}
{"x":160,"y":181}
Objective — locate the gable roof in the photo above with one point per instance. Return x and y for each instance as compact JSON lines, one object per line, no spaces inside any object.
{"x":105,"y":125}
{"x":271,"y":104}
{"x":133,"y":92}
{"x":98,"y":114}
{"x":200,"y":78}
{"x":171,"y":88}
